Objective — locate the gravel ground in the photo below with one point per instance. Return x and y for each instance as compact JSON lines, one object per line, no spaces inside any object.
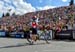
{"x":21,"y":45}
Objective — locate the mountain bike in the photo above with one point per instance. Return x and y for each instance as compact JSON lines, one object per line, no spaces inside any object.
{"x":41,"y":35}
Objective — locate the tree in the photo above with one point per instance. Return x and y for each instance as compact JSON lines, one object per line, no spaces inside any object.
{"x":72,"y":2}
{"x":3,"y":15}
{"x":7,"y":14}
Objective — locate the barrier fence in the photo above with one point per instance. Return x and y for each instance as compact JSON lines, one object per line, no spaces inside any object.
{"x":2,"y":33}
{"x":64,"y":34}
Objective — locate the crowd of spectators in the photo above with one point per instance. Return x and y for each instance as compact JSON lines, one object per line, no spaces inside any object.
{"x":55,"y":18}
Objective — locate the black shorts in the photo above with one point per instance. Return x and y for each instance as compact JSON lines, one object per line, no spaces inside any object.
{"x":34,"y":31}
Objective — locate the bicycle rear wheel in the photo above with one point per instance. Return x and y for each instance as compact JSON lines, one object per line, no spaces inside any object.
{"x":46,"y":38}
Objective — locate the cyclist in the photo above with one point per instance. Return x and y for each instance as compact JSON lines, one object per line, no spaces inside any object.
{"x":33,"y":35}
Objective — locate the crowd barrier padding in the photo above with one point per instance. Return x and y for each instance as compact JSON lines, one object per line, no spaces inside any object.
{"x":64,"y":34}
{"x":17,"y":35}
{"x":2,"y":33}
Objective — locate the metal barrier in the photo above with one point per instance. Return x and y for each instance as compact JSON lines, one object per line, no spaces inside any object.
{"x":73,"y":34}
